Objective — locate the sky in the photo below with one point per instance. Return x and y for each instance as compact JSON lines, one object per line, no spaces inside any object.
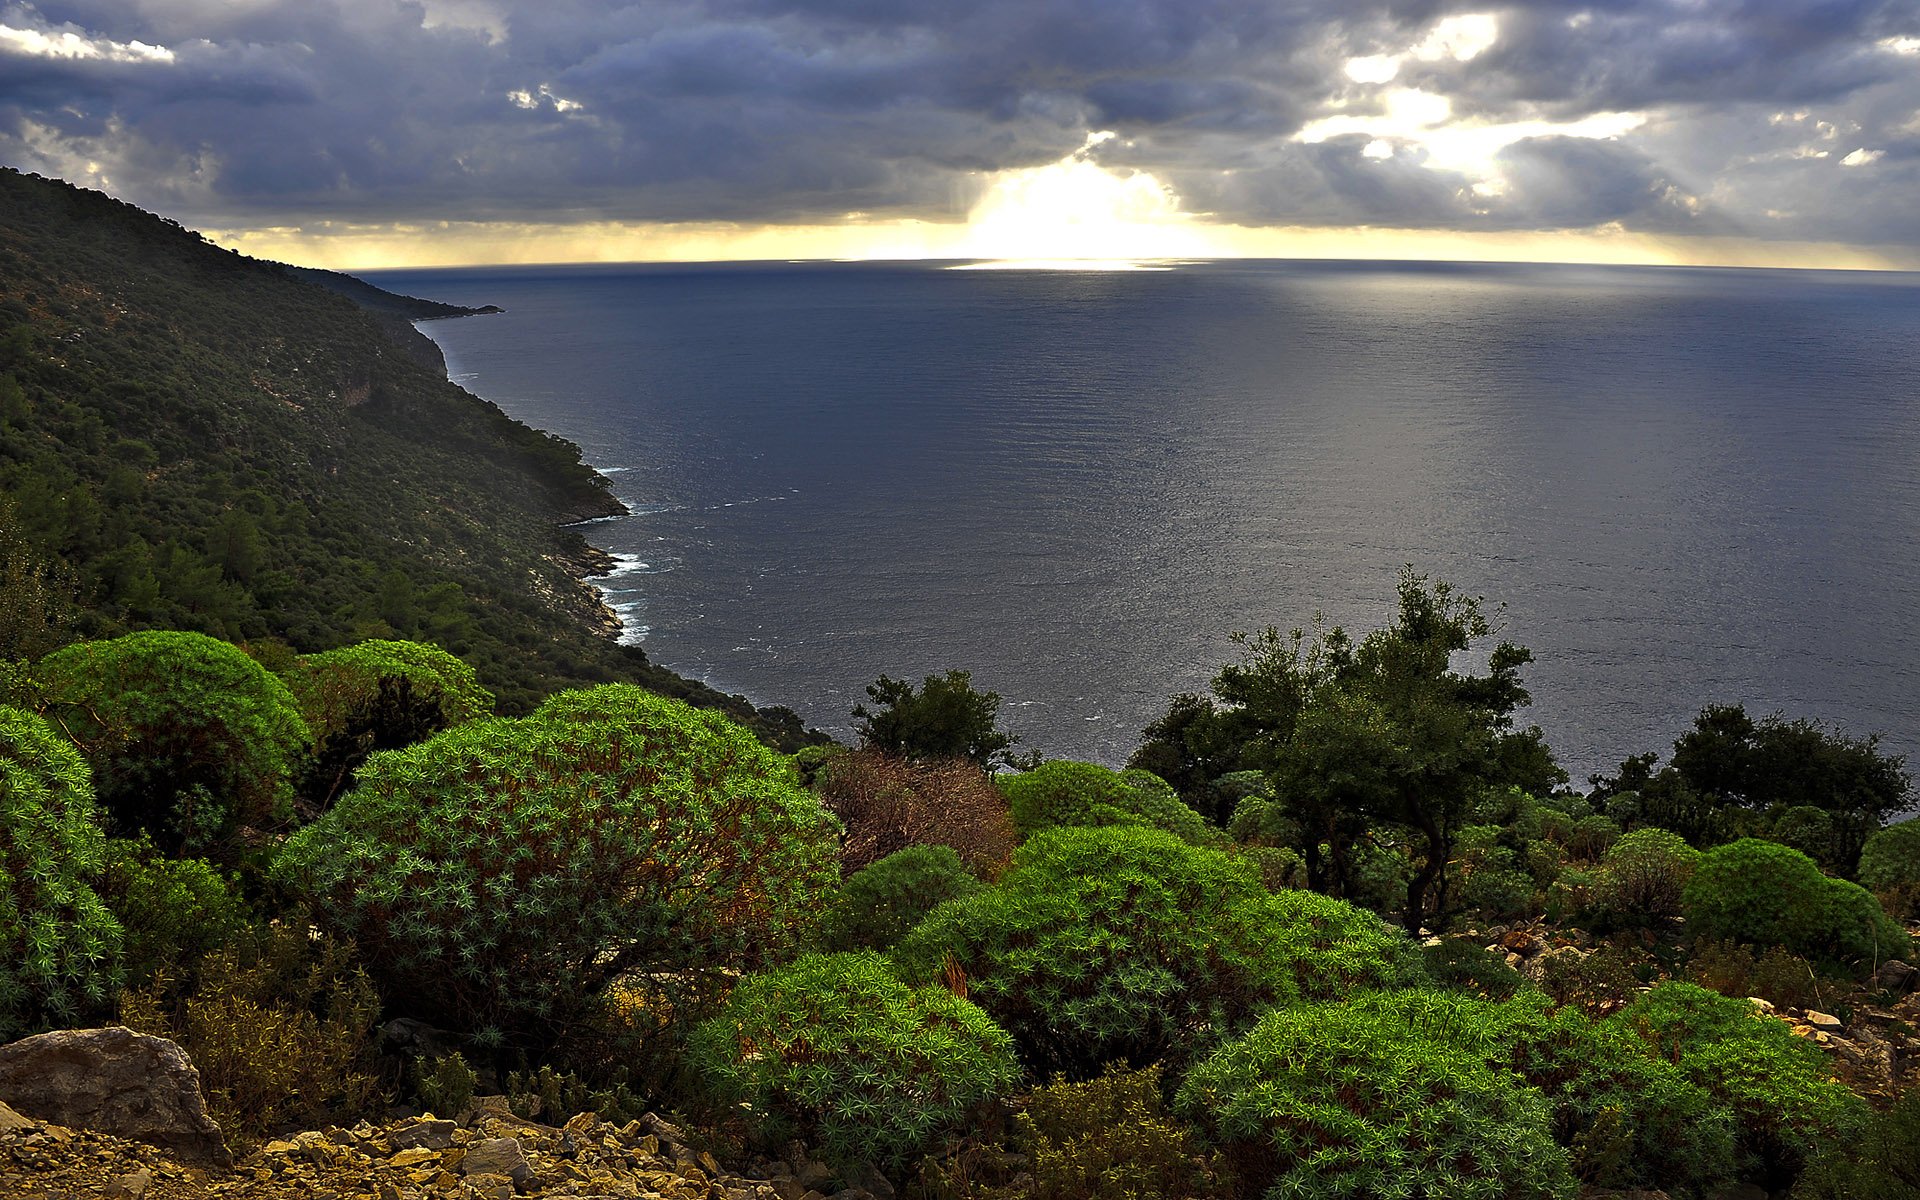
{"x":368,"y":133}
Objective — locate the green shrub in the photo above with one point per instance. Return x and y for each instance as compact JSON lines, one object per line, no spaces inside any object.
{"x":1280,"y":867}
{"x":1883,"y":1164}
{"x":1643,"y":876}
{"x":1333,"y":947}
{"x":1776,"y":1085}
{"x":1126,"y":943}
{"x":501,"y":875}
{"x":188,"y":737}
{"x":280,"y":1027}
{"x":1591,"y":837}
{"x":445,"y":1085}
{"x":1105,"y":944}
{"x":59,"y":945}
{"x":1461,"y":965}
{"x":1077,"y":793}
{"x":1890,"y":865}
{"x":836,"y":1050}
{"x":554,"y":1096}
{"x":880,"y":904}
{"x":378,"y":695}
{"x":173,"y":911}
{"x":1499,"y":893}
{"x":1111,"y":1138}
{"x":1765,"y":894}
{"x":1352,"y":1099}
{"x":1807,"y":829}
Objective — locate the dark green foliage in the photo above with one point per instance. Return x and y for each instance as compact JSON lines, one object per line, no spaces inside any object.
{"x":59,"y":945}
{"x":445,"y":1085}
{"x":37,"y":609}
{"x":1766,"y":894}
{"x":1111,"y":1138}
{"x":1079,"y":793}
{"x":1732,"y":775}
{"x":1882,"y":1164}
{"x":172,"y":910}
{"x":189,"y":738}
{"x":838,"y":1051}
{"x":944,"y":718}
{"x":1124,"y":943}
{"x":553,"y":1096}
{"x":504,"y":873}
{"x":1353,"y":1100}
{"x":1462,"y":965}
{"x":210,"y":443}
{"x":1890,"y":865}
{"x":1776,"y":1085}
{"x":881,"y":903}
{"x":378,"y":695}
{"x":1643,"y":876}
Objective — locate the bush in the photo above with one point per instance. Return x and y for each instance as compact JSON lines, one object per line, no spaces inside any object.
{"x":1280,"y":867}
{"x":1350,"y":1099}
{"x":1776,"y":1085}
{"x":836,"y":1050}
{"x":501,"y":875}
{"x":1499,"y":893}
{"x":280,"y":1027}
{"x":880,"y":904}
{"x":1890,"y":865}
{"x":1111,"y":1138}
{"x":1105,"y":944}
{"x":888,"y":804}
{"x":1129,"y":944}
{"x":188,"y":737}
{"x":1643,"y":876}
{"x":1461,"y":965}
{"x":1884,"y":1164}
{"x":1078,"y":793}
{"x":59,"y":946}
{"x":1765,"y":894}
{"x":173,"y":911}
{"x":378,"y":695}
{"x":554,"y":1096}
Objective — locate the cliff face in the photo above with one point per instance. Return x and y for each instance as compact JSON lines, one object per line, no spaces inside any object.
{"x":211,"y":442}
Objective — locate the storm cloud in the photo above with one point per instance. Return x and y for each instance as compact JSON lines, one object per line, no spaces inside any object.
{"x":1771,"y":119}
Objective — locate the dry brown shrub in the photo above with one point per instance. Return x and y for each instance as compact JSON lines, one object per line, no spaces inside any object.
{"x":888,"y":804}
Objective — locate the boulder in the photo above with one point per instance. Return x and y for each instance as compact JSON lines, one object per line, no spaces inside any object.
{"x":114,"y":1081}
{"x":502,"y":1157}
{"x":1895,"y":976}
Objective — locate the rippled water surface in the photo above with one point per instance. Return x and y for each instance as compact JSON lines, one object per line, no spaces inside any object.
{"x":1686,"y":486}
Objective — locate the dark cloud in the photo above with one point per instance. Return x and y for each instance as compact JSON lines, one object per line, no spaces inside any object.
{"x":283,"y":111}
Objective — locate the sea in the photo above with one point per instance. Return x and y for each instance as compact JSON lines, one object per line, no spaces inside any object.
{"x":1677,"y":487}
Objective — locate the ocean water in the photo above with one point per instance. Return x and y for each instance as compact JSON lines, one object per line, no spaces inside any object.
{"x":1676,"y":486}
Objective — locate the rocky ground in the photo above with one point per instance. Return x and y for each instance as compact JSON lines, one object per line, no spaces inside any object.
{"x":489,"y":1154}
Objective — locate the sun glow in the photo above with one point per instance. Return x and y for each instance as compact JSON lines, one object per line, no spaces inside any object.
{"x":1076,"y":214}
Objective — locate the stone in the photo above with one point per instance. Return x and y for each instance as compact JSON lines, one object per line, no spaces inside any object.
{"x":1763,"y":1005}
{"x":413,"y":1157}
{"x":867,"y":1178}
{"x":114,"y":1081}
{"x":132,"y":1186}
{"x":11,"y":1120}
{"x":498,"y":1156}
{"x":1520,"y":942}
{"x":1895,"y":976}
{"x":425,"y":1133}
{"x":1824,"y":1022}
{"x":389,"y":1192}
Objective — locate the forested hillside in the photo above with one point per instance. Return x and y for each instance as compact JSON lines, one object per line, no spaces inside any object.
{"x":193,"y":439}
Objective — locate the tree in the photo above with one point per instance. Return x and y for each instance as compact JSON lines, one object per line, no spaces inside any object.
{"x":1382,"y":733}
{"x":945,"y":718}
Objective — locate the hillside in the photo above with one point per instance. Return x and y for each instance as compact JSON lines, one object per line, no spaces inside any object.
{"x":210,"y":442}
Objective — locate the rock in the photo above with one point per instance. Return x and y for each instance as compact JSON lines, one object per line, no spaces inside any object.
{"x":1824,"y":1022}
{"x":132,"y":1186}
{"x":1521,"y":942}
{"x":498,"y":1156}
{"x":114,"y":1081}
{"x":867,"y":1178}
{"x":423,"y":1134}
{"x":404,"y":1037}
{"x":1895,"y":976}
{"x":1760,"y":1004}
{"x":10,"y":1120}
